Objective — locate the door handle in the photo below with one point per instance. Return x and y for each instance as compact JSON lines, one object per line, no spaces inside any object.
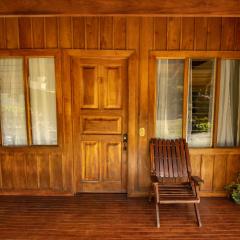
{"x":125,"y":141}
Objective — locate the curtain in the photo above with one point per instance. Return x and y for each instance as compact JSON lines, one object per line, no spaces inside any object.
{"x":229,"y":107}
{"x":13,"y":115}
{"x":43,"y":101}
{"x":169,"y":98}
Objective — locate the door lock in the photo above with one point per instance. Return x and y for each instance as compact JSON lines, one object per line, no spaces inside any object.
{"x":125,"y":141}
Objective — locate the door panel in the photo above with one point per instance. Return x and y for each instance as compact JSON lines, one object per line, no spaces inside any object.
{"x":99,"y":121}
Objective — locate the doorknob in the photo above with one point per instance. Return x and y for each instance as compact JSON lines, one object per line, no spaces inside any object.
{"x":125,"y":141}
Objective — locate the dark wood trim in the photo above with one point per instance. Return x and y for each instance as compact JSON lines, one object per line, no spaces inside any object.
{"x":120,"y":7}
{"x":185,"y":98}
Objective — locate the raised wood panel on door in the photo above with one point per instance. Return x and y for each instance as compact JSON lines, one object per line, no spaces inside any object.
{"x":100,"y":119}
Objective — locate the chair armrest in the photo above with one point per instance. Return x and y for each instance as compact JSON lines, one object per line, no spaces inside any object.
{"x":197,"y":180}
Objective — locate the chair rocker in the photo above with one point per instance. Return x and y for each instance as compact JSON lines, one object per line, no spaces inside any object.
{"x":171,"y":175}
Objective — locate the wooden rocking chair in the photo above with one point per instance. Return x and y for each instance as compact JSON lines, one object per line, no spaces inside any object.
{"x":171,"y":175}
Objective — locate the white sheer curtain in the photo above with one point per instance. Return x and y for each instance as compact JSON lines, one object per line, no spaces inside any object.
{"x":169,"y":98}
{"x":229,"y":104}
{"x":43,"y":101}
{"x":13,"y":115}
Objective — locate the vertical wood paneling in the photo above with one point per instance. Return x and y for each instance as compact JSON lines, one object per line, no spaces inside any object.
{"x":228,"y":34}
{"x":25,"y":32}
{"x":18,"y":168}
{"x":188,"y":31}
{"x":31,"y":171}
{"x":133,"y":42}
{"x":160,"y":33}
{"x":38,"y":32}
{"x":92,"y":33}
{"x":56,"y":172}
{"x":12,"y":32}
{"x":119,"y":33}
{"x":65,"y":32}
{"x":106,"y":33}
{"x":2,"y":33}
{"x":146,"y":43}
{"x":51,"y":32}
{"x":43,"y":171}
{"x":78,"y":32}
{"x":207,"y":172}
{"x":201,"y":28}
{"x":233,"y":166}
{"x":196,"y":165}
{"x":214,"y":33}
{"x":219,"y":172}
{"x":237,"y":34}
{"x":173,"y":33}
{"x":7,"y":173}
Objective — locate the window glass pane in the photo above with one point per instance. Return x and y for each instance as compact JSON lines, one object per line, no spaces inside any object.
{"x":170,"y":74}
{"x":229,"y":104}
{"x":43,"y":101}
{"x":13,"y":115}
{"x":200,"y":102}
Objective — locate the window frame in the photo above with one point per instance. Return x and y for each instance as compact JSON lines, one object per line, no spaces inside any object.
{"x":187,"y":55}
{"x":25,"y":55}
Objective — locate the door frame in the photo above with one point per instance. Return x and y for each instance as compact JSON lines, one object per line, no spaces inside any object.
{"x":131,"y":58}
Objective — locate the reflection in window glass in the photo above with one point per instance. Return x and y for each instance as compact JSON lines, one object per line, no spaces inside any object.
{"x":200,"y":102}
{"x":13,"y":115}
{"x":170,"y":74}
{"x":229,"y":104}
{"x":43,"y":101}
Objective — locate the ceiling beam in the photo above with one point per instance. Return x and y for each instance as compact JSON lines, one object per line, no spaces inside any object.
{"x":120,"y":7}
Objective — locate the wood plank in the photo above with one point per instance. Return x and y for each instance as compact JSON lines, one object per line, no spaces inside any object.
{"x":233,"y":166}
{"x":106,"y":32}
{"x":12,"y":32}
{"x":237,"y":34}
{"x":119,"y":32}
{"x":219,"y":172}
{"x":201,"y":28}
{"x":51,"y":32}
{"x":7,"y":174}
{"x":120,"y":7}
{"x":196,"y":164}
{"x":214,"y":33}
{"x":188,"y":33}
{"x":2,"y":33}
{"x":19,"y":171}
{"x":92,"y":33}
{"x":160,"y":33}
{"x":146,"y":43}
{"x":133,"y":42}
{"x":56,"y":176}
{"x":38,"y":32}
{"x":25,"y":32}
{"x":207,"y":172}
{"x":43,"y":171}
{"x":31,"y":171}
{"x":65,"y":32}
{"x":78,"y":32}
{"x":173,"y":33}
{"x":228,"y":34}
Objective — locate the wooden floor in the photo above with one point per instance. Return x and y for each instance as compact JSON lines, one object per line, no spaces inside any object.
{"x":113,"y":216}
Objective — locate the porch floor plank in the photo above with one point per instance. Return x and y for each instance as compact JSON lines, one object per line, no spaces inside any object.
{"x":114,"y":216}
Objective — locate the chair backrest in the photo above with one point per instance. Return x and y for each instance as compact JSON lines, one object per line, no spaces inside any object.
{"x":170,"y":158}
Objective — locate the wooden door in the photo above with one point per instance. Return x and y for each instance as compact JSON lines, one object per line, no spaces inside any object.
{"x":99,"y":122}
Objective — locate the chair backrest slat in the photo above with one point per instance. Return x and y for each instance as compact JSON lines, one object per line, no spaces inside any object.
{"x":171,"y":158}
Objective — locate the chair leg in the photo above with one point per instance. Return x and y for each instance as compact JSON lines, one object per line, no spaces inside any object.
{"x":150,"y":194}
{"x":157,"y":215}
{"x":197,"y":215}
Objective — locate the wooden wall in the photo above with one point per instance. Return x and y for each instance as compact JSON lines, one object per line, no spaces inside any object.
{"x":48,"y":171}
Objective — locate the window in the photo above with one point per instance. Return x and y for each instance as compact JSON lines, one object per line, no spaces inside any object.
{"x":35,"y":95}
{"x":229,"y":111}
{"x":200,"y":102}
{"x":170,"y":74}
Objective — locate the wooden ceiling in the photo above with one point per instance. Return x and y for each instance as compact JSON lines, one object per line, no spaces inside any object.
{"x":121,"y":7}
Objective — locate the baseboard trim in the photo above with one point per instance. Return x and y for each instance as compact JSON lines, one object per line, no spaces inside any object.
{"x":34,"y":193}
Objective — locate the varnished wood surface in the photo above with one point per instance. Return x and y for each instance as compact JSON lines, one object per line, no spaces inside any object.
{"x":113,"y":216}
{"x":120,"y":7}
{"x":47,"y":169}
